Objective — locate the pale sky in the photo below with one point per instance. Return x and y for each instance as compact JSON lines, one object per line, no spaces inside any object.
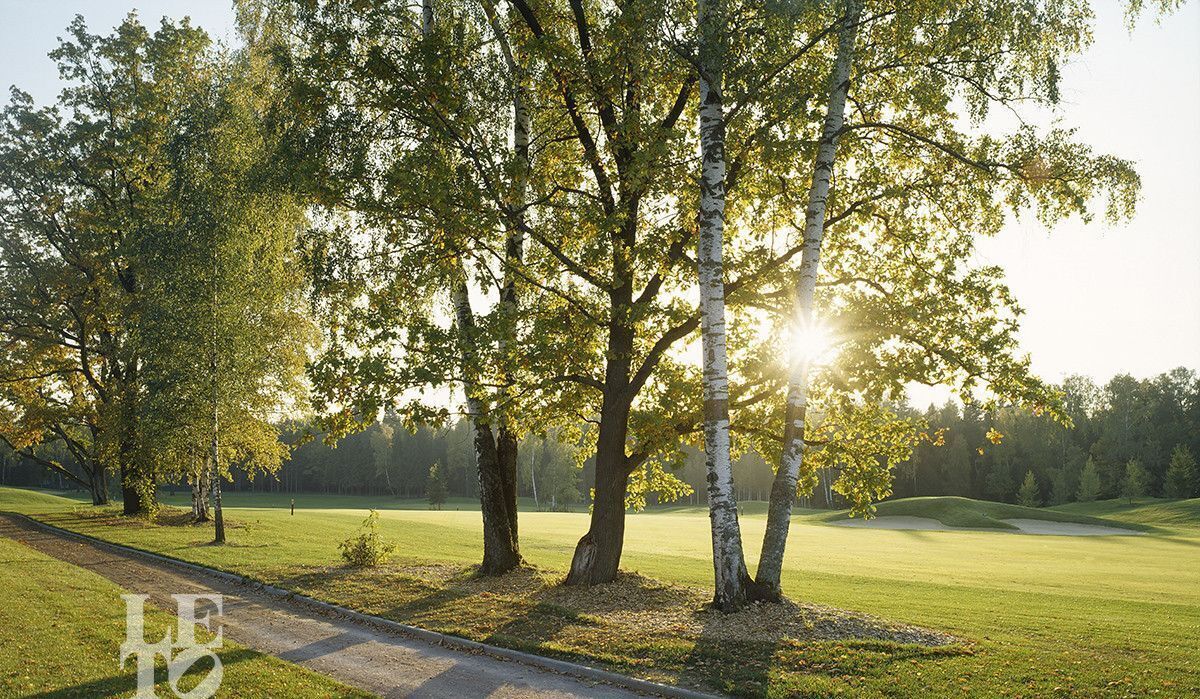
{"x":1099,"y":300}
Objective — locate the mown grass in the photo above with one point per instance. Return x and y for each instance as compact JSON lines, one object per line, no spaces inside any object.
{"x":1046,"y":615}
{"x":965,"y":512}
{"x":1179,"y":516}
{"x":61,"y":628}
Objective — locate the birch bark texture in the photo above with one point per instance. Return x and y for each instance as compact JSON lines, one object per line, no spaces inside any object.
{"x":214,"y":455}
{"x":729,"y":565}
{"x":783,"y":489}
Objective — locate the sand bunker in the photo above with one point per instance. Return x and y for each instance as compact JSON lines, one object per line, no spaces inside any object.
{"x":1024,"y":526}
{"x":1041,"y":526}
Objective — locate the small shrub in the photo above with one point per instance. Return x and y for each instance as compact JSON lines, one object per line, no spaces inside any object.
{"x":367,"y":548}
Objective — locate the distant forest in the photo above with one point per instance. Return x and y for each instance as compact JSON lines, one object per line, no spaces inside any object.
{"x":1126,"y":419}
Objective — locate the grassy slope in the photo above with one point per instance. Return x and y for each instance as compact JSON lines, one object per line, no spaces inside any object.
{"x":965,"y":512}
{"x":1168,"y":515}
{"x":1052,"y":616}
{"x":61,"y":628}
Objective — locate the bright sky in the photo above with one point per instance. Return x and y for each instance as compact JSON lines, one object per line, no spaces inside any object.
{"x":1100,"y":300}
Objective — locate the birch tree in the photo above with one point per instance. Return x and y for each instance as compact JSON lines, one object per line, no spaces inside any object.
{"x":729,"y":565}
{"x":224,"y":336}
{"x":783,"y":488}
{"x":956,"y":52}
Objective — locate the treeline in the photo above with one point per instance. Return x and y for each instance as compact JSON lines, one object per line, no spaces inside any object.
{"x":1125,"y":419}
{"x":1154,"y":422}
{"x":1149,"y":422}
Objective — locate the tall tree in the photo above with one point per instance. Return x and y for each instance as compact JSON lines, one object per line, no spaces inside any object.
{"x":418,"y":174}
{"x":78,"y":192}
{"x":1133,"y":485}
{"x":224,"y":336}
{"x":1029,"y":494}
{"x":1181,"y":474}
{"x":1089,"y":483}
{"x":783,"y":489}
{"x":729,"y":564}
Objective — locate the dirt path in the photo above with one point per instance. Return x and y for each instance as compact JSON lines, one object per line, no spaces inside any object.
{"x":390,"y":665}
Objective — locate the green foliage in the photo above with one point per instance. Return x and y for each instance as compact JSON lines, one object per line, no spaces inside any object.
{"x":367,"y":549}
{"x":1060,"y":489}
{"x":1089,"y":483}
{"x":1029,"y":495}
{"x":224,"y":330}
{"x":435,"y":487}
{"x":864,"y":442}
{"x":415,"y":168}
{"x":1135,"y":482}
{"x":80,"y":181}
{"x":157,"y":212}
{"x":1182,"y":479}
{"x":999,"y":484}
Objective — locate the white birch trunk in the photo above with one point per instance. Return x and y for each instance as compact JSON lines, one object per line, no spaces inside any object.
{"x":426,"y":18}
{"x":729,"y":566}
{"x":783,"y":491}
{"x":214,"y":458}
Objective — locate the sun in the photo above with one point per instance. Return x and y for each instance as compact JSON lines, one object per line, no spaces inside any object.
{"x":811,"y":342}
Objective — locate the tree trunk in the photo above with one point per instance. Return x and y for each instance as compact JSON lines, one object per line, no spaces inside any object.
{"x":598,"y":553}
{"x":533,"y":464}
{"x":218,"y":513}
{"x":514,"y":253}
{"x":201,"y":491}
{"x":99,"y":483}
{"x":131,"y":496}
{"x":500,"y":550}
{"x":729,"y":565}
{"x":783,"y":490}
{"x":506,"y":458}
{"x":214,"y":472}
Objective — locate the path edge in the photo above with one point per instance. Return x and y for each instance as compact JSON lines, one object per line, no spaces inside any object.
{"x":436,"y":638}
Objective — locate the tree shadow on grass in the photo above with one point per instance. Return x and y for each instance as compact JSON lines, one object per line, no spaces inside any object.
{"x":126,"y":684}
{"x":753,"y":654}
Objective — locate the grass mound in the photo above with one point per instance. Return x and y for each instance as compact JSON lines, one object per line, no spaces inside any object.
{"x":964,"y":512}
{"x":25,"y":500}
{"x":1153,"y":512}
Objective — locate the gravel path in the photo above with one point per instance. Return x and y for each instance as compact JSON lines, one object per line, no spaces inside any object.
{"x":386,"y":664}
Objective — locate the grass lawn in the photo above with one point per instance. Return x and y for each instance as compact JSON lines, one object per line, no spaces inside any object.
{"x":61,"y":628}
{"x":965,"y":512}
{"x":1044,"y":615}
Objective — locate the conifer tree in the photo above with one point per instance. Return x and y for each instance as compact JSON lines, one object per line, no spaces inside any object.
{"x":435,"y":487}
{"x":1135,"y":482}
{"x":1181,"y":474}
{"x":1029,"y":495}
{"x":1089,"y":482}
